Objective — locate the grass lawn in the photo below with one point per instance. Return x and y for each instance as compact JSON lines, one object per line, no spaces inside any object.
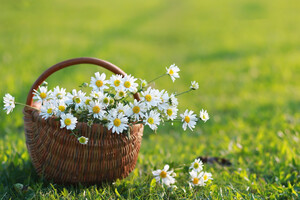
{"x":244,"y":54}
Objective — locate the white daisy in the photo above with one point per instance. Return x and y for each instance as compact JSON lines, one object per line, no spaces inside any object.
{"x":163,"y":100}
{"x":197,"y":165}
{"x":122,"y":108}
{"x":105,"y":100}
{"x":206,"y":176}
{"x":152,"y":119}
{"x":9,"y":103}
{"x":76,"y":98}
{"x":171,"y":112}
{"x":61,"y":107}
{"x":172,"y":71}
{"x":117,"y":122}
{"x":120,"y":93}
{"x":194,"y":85}
{"x":204,"y":115}
{"x":116,"y":81}
{"x":58,"y":93}
{"x":42,"y":95}
{"x":96,"y":94}
{"x":68,"y":121}
{"x":111,"y":101}
{"x":144,"y":83}
{"x":129,"y":83}
{"x":189,"y":119}
{"x":196,"y":179}
{"x":47,"y":110}
{"x":98,"y":83}
{"x":164,"y":176}
{"x":96,"y":109}
{"x":83,"y":140}
{"x":173,"y":100}
{"x":137,"y":110}
{"x":150,"y":97}
{"x":87,"y":101}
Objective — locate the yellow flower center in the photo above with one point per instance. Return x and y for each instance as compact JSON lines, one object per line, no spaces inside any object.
{"x":43,"y":95}
{"x":144,"y":84}
{"x":205,"y":177}
{"x":106,"y":100}
{"x":87,"y":101}
{"x":121,"y":93}
{"x":82,"y":140}
{"x":187,"y":119}
{"x":99,"y":83}
{"x":196,"y":165}
{"x":203,"y":116}
{"x":68,"y":121}
{"x":170,"y":112}
{"x":150,"y":120}
{"x":62,"y":108}
{"x":163,"y":174}
{"x":121,"y":111}
{"x":49,"y":111}
{"x":127,"y":84}
{"x":148,"y":97}
{"x":136,"y":109}
{"x":117,"y":83}
{"x":111,"y":101}
{"x":117,"y":122}
{"x":76,"y":99}
{"x":59,"y":95}
{"x":171,"y":72}
{"x":96,"y":109}
{"x":196,"y":181}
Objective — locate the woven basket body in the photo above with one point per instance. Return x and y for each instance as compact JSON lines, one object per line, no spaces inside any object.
{"x":59,"y":157}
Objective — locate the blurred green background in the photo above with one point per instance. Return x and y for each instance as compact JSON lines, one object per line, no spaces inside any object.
{"x":244,"y":54}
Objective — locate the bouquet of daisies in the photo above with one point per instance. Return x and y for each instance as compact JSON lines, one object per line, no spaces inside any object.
{"x":109,"y":103}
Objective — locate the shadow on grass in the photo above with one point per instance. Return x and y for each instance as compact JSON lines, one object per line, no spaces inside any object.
{"x":18,"y":180}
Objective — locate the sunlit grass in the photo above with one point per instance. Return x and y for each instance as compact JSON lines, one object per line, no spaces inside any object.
{"x":244,"y":54}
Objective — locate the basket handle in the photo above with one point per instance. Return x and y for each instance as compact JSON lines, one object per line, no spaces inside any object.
{"x":83,"y":60}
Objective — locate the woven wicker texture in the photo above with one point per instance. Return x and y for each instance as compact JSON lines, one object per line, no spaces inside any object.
{"x":59,"y":157}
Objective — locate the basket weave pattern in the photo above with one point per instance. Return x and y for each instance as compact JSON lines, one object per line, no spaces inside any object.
{"x":60,"y":157}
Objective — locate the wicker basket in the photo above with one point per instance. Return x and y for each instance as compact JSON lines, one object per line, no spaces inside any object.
{"x":60,"y":158}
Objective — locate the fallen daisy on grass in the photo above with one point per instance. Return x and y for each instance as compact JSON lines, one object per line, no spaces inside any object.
{"x":206,"y":176}
{"x":164,"y":176}
{"x":196,"y":179}
{"x":197,"y":165}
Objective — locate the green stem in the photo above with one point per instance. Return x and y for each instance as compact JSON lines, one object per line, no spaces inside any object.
{"x":183,"y":92}
{"x":157,"y":78}
{"x":26,"y":105}
{"x":73,"y":133}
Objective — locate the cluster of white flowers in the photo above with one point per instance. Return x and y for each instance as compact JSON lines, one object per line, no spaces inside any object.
{"x":197,"y":176}
{"x":108,"y":104}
